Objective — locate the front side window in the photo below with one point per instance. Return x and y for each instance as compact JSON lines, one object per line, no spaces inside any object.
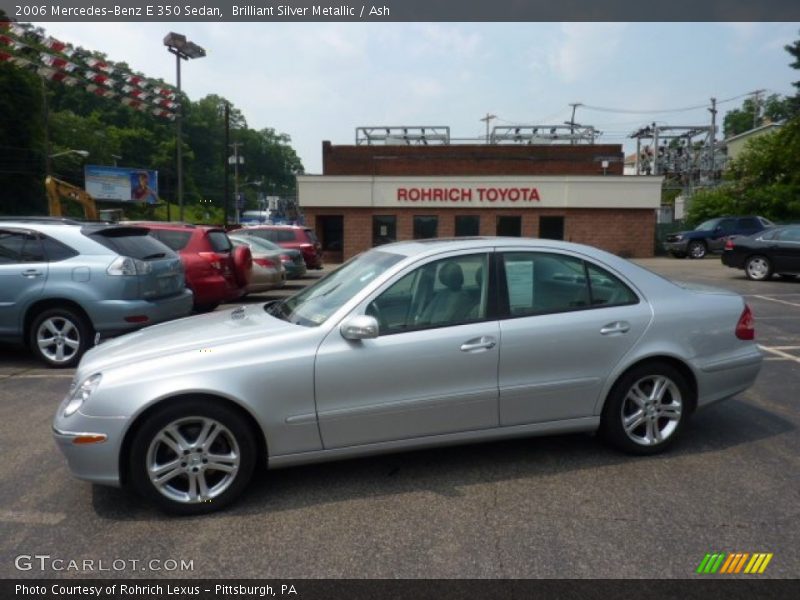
{"x":542,"y":283}
{"x":442,"y":293}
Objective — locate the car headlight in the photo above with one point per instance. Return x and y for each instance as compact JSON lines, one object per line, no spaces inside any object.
{"x":678,"y":238}
{"x":81,"y":394}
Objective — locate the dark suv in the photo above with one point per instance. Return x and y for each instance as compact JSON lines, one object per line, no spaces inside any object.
{"x":294,"y":237}
{"x":711,"y":235}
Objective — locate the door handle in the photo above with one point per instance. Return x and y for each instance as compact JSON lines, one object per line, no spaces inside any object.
{"x":618,"y":327}
{"x":31,"y":273}
{"x":482,"y":343}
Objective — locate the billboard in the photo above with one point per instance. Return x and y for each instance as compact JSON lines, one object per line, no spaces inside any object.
{"x":121,"y":183}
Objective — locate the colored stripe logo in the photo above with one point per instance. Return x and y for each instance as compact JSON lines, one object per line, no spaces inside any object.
{"x":734,"y":563}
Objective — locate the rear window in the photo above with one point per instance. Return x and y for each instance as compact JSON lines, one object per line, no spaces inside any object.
{"x":285,"y":235}
{"x":176,"y":240}
{"x":131,"y":241}
{"x":219,"y":241}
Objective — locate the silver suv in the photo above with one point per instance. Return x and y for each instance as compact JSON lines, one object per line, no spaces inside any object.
{"x":62,"y":282}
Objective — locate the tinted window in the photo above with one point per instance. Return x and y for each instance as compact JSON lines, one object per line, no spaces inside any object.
{"x":728,"y":225}
{"x":749,"y":223}
{"x":551,"y":228}
{"x":313,"y":236}
{"x":442,"y":293}
{"x":133,"y":242}
{"x":265,"y":234}
{"x":219,"y":241}
{"x":55,"y":250}
{"x":789,"y":234}
{"x":176,"y":240}
{"x":425,"y":227}
{"x":468,"y":225}
{"x":509,"y":226}
{"x":19,"y":247}
{"x":285,"y":235}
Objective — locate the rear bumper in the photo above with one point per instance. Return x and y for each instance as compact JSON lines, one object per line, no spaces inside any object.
{"x":723,"y":377}
{"x":729,"y":259}
{"x":109,"y":316}
{"x":214,"y":289}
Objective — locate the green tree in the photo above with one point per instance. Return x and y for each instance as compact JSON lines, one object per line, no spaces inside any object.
{"x":794,"y":51}
{"x":750,"y":115}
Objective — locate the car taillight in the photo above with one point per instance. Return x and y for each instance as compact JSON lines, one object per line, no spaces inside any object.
{"x":214,"y":259}
{"x":264,"y":262}
{"x":729,"y":244}
{"x":745,"y":328}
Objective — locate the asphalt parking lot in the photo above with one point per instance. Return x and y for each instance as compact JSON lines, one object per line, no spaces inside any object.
{"x":562,"y":506}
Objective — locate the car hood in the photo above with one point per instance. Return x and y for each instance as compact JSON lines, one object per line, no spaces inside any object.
{"x":188,"y":334}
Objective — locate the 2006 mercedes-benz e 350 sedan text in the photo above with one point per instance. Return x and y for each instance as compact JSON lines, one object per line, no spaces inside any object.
{"x":414,"y":344}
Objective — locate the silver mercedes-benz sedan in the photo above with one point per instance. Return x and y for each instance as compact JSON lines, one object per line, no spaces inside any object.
{"x":409,"y":345}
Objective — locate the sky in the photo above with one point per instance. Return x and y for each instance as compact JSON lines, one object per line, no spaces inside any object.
{"x":320,"y":81}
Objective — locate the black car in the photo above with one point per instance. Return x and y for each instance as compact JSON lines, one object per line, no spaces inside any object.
{"x":761,"y":255}
{"x":711,"y":235}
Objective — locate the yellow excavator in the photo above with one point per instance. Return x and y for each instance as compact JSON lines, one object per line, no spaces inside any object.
{"x":58,"y":190}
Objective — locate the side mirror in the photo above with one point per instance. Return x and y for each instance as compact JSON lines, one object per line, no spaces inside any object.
{"x":361,"y":327}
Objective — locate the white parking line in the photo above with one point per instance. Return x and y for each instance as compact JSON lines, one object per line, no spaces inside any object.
{"x":776,"y":300}
{"x":31,"y":517}
{"x":778,"y":351}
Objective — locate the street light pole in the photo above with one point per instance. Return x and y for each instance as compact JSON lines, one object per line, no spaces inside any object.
{"x":183,"y":49}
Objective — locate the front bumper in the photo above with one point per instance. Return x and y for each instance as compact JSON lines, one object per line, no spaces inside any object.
{"x":95,"y":462}
{"x":678,"y":247}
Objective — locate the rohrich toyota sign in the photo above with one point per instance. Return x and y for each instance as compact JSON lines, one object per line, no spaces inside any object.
{"x":460,"y":194}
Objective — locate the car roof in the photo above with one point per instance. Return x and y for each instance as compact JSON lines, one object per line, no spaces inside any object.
{"x":172,"y":225}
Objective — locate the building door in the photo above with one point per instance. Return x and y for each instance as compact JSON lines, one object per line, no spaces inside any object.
{"x":509,"y":226}
{"x":331,"y":228}
{"x":551,"y":228}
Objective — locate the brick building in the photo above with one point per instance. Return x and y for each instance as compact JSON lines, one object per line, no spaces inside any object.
{"x":373,"y":194}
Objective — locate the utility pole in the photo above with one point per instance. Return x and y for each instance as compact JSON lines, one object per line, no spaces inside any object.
{"x":757,"y":106}
{"x":713,"y":139}
{"x":236,"y":160}
{"x":574,"y":106}
{"x":226,"y":195}
{"x":487,"y":119}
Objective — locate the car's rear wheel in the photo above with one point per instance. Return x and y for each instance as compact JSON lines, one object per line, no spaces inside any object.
{"x":646,"y":409}
{"x":59,"y":337}
{"x":193,"y":457}
{"x":758,"y":268}
{"x":697,"y":249}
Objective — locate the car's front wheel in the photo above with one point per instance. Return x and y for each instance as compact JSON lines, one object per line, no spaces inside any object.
{"x":59,"y":337}
{"x":193,"y":457}
{"x":758,"y":268}
{"x":646,"y":409}
{"x":697,"y":249}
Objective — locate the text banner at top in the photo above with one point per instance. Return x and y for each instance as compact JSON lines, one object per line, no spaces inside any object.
{"x":399,"y":10}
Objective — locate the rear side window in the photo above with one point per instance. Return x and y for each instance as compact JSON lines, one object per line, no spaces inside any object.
{"x":219,"y":241}
{"x":132,"y":241}
{"x":790,"y":234}
{"x":176,"y":240}
{"x":285,"y":235}
{"x":19,"y":247}
{"x":55,"y":250}
{"x":750,"y":223}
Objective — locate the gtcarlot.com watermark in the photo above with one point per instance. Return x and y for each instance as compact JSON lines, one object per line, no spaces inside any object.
{"x":48,"y":563}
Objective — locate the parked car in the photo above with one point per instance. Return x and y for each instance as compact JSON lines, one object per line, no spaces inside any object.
{"x":268,"y":270}
{"x":294,"y":237}
{"x":215,"y":271}
{"x":774,"y":251}
{"x":406,"y":346}
{"x":62,"y":282}
{"x":711,"y":235}
{"x":292,"y":260}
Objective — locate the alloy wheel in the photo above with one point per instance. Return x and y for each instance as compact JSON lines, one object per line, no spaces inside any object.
{"x":651,"y":410}
{"x":58,"y":339}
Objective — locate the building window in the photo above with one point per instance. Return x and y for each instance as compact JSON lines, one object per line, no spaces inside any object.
{"x":332,"y":229}
{"x":468,"y":225}
{"x":425,"y":227}
{"x":384,"y":229}
{"x":551,"y":228}
{"x":509,"y":226}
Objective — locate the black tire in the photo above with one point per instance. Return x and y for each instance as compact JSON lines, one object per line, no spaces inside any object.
{"x":620,"y":406}
{"x":233,"y":431}
{"x":70,"y":332}
{"x":758,"y":268}
{"x":697,"y":249}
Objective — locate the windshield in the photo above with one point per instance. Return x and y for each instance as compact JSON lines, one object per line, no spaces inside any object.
{"x":316,"y":303}
{"x":709,"y":225}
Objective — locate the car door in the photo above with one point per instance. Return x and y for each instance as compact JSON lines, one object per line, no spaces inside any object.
{"x":433,"y":368}
{"x":784,"y":249}
{"x":23,"y":272}
{"x":565,"y":325}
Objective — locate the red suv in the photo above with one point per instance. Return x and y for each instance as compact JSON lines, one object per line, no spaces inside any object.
{"x":295,"y":237}
{"x":215,"y":271}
